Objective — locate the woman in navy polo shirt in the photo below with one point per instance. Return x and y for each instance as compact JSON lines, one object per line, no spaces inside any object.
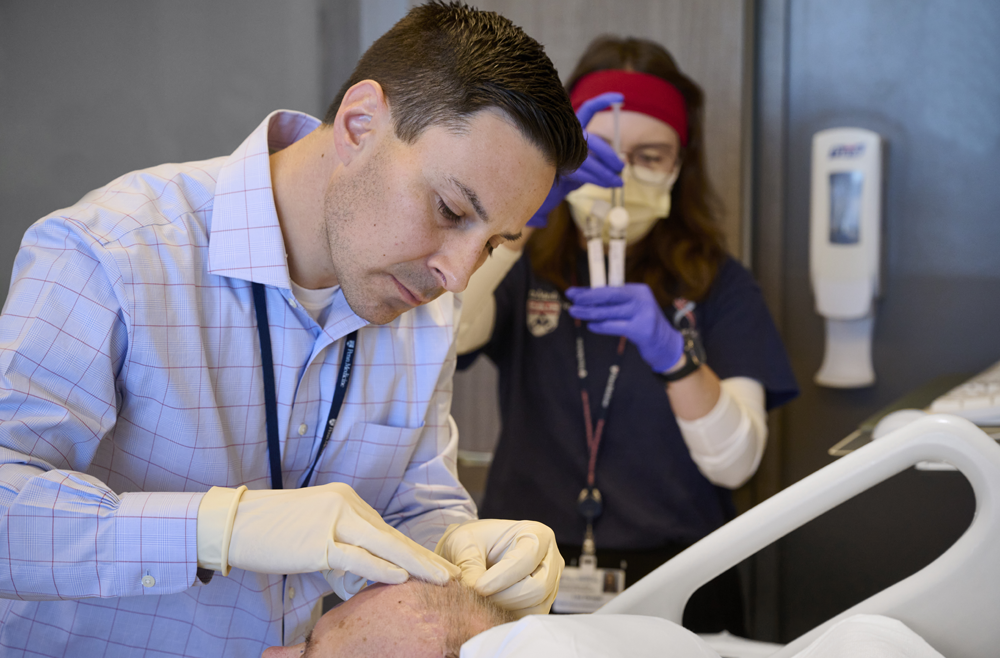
{"x":631,"y":410}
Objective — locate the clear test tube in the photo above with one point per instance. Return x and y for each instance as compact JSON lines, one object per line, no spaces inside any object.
{"x":595,"y":243}
{"x":618,"y":221}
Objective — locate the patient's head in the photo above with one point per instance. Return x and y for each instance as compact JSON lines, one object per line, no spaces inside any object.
{"x":413,"y":619}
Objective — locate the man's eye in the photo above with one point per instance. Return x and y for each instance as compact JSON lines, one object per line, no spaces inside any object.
{"x":448,"y":213}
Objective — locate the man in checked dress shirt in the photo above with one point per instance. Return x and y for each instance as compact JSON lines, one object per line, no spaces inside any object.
{"x":134,"y":462}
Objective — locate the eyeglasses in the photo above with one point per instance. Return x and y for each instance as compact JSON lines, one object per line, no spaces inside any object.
{"x":655,"y":157}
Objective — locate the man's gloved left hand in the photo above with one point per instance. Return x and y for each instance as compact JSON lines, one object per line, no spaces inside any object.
{"x":514,"y":563}
{"x":631,"y":311}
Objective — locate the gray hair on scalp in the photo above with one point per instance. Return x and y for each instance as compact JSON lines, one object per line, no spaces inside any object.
{"x":465,"y":613}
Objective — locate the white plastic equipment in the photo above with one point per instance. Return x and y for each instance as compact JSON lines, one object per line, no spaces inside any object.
{"x":977,"y":399}
{"x":952,"y":603}
{"x":844,"y":247}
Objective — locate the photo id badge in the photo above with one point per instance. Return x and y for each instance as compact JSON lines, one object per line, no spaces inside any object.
{"x":586,"y":588}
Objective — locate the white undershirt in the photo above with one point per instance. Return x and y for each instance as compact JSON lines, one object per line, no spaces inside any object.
{"x":316,"y":302}
{"x":726,"y":444}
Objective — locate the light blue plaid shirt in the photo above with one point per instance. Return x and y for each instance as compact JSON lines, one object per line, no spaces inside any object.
{"x":130,"y":383}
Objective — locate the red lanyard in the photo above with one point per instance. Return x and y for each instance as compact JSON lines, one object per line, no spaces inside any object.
{"x":684,"y":310}
{"x":594,"y":432}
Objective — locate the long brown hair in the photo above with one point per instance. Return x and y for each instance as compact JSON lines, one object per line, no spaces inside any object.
{"x":680,"y":256}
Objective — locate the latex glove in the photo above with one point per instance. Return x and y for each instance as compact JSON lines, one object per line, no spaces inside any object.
{"x":514,"y":563}
{"x":631,"y":311}
{"x":601,"y":167}
{"x":326,"y":528}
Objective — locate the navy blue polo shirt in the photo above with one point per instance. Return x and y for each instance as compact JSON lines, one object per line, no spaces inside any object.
{"x":654,"y":495}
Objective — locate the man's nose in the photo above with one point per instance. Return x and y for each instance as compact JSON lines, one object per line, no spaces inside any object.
{"x":457,"y":259}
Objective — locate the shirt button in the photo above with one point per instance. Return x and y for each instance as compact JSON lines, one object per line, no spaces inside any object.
{"x":148,"y":581}
{"x":303,"y":428}
{"x":291,"y":593}
{"x":293,"y":303}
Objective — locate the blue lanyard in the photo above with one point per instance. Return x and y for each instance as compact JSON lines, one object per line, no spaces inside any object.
{"x":270,"y":398}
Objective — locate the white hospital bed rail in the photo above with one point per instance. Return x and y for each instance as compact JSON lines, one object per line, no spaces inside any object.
{"x":953,"y":603}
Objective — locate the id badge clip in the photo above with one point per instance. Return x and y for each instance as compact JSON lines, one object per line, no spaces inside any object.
{"x":586,"y":588}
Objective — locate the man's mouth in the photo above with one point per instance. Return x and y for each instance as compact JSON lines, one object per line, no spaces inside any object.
{"x":408,"y":296}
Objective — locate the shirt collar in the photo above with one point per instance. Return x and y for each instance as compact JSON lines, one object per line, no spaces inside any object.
{"x":245,"y":240}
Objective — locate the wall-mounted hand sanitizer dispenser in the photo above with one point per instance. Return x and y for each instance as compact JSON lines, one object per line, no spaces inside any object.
{"x":844,"y":249}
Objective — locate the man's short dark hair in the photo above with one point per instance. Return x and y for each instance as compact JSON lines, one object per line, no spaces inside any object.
{"x":442,"y":63}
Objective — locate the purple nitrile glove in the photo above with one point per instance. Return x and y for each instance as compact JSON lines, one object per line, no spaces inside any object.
{"x":631,"y":311}
{"x":601,"y":167}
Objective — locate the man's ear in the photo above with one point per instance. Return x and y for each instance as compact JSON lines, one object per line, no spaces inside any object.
{"x":363,"y":114}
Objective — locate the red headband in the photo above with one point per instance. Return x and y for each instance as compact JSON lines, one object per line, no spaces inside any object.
{"x":643,"y":93}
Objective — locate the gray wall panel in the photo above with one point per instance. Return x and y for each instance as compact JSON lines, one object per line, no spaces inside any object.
{"x":94,"y":90}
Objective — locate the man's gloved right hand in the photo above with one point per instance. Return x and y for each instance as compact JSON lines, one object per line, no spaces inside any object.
{"x":601,"y":167}
{"x":515,"y":563}
{"x":326,"y":528}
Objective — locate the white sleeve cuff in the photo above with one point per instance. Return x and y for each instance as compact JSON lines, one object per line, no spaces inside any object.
{"x":727,"y":443}
{"x":155,"y":535}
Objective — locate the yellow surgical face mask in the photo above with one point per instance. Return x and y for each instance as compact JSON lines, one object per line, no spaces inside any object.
{"x":647,"y":199}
